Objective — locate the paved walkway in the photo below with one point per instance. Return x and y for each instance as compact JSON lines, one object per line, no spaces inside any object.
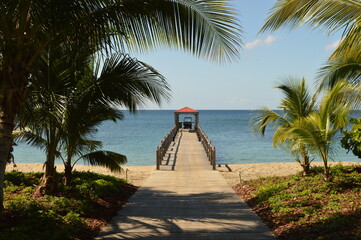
{"x":186,"y":199}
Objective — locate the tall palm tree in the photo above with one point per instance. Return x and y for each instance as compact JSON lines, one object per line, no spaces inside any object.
{"x":297,"y":103}
{"x":320,"y":131}
{"x":28,"y":28}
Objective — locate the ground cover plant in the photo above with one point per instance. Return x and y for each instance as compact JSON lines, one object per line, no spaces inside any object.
{"x":297,"y":207}
{"x":75,"y":212}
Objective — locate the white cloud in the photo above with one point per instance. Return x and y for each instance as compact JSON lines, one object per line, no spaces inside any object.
{"x":332,"y":46}
{"x":261,"y":42}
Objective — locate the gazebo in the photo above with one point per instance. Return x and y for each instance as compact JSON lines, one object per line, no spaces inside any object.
{"x":185,"y":110}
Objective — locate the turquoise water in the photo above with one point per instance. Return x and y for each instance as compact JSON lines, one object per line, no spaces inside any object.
{"x":138,"y":135}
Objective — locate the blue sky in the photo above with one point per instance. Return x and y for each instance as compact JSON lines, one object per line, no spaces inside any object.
{"x":248,"y":83}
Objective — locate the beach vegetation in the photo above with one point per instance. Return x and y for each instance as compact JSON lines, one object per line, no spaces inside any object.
{"x":297,"y":102}
{"x":75,"y":212}
{"x":307,"y":208}
{"x":31,"y":30}
{"x":352,"y":138}
{"x":321,"y":130}
{"x":307,"y":127}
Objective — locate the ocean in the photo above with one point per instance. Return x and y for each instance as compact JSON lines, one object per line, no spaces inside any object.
{"x":138,"y":135}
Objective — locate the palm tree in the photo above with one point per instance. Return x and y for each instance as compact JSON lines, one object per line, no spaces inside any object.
{"x":28,"y":28}
{"x":320,"y":131}
{"x":296,"y":104}
{"x":68,"y":103}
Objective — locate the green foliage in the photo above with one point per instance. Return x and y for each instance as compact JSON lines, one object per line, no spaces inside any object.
{"x":54,"y":217}
{"x":352,"y":139}
{"x":23,"y":179}
{"x":89,"y":184}
{"x":297,"y":103}
{"x":24,"y":206}
{"x":325,"y":207}
{"x":75,"y":220}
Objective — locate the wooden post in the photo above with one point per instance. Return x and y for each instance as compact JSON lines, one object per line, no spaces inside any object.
{"x":214,"y":157}
{"x":157,"y":157}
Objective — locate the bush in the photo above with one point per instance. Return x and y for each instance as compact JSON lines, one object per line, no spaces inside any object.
{"x":53,"y":217}
{"x":22,"y":179}
{"x":24,"y":206}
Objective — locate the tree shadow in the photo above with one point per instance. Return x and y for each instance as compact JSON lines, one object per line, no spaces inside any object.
{"x":338,"y":226}
{"x":166,"y":215}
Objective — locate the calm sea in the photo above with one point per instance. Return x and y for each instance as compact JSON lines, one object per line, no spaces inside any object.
{"x":138,"y":135}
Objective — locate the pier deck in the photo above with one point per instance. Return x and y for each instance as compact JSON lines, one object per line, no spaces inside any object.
{"x":186,"y":199}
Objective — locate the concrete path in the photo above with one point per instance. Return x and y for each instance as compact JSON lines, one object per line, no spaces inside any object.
{"x":186,"y":200}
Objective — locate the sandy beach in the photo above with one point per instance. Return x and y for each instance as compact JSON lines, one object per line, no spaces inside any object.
{"x":232,"y":174}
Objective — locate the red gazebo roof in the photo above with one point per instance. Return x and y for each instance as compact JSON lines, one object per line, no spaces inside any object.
{"x":186,"y":110}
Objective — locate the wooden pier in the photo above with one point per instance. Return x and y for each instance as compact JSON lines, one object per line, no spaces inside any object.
{"x":187,"y":199}
{"x":165,"y":154}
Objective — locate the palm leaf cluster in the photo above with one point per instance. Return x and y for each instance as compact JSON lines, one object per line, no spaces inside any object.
{"x":332,"y":16}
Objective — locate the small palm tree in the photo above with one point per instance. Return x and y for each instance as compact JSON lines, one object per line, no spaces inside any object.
{"x":68,"y":103}
{"x":320,"y":131}
{"x":296,"y":104}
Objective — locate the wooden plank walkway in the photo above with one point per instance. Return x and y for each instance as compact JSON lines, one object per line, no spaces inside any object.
{"x":186,"y":199}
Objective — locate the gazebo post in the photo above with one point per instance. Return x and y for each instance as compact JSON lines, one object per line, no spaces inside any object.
{"x":196,"y":115}
{"x":176,"y":119}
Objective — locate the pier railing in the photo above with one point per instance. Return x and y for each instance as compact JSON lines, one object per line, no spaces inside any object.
{"x":210,"y":150}
{"x":164,"y":145}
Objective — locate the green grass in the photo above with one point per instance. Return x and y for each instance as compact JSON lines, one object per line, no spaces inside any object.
{"x":299,"y":207}
{"x":62,"y":216}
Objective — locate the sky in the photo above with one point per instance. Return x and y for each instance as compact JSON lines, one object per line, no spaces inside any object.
{"x":248,"y":83}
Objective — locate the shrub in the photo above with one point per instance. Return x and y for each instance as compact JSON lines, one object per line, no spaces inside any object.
{"x":23,"y":205}
{"x":22,"y":179}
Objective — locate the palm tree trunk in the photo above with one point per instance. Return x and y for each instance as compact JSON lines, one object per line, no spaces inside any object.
{"x":49,"y":183}
{"x":326,"y":170}
{"x":68,"y":173}
{"x":305,"y":164}
{"x":6,"y":128}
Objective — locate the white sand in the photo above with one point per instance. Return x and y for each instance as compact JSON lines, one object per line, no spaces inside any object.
{"x":256,"y":170}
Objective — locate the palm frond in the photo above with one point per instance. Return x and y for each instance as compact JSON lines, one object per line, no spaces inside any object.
{"x":345,"y":67}
{"x":330,"y":15}
{"x":30,"y":137}
{"x":264,"y":117}
{"x":127,"y":82}
{"x":110,"y":160}
{"x":298,"y":100}
{"x":208,"y":29}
